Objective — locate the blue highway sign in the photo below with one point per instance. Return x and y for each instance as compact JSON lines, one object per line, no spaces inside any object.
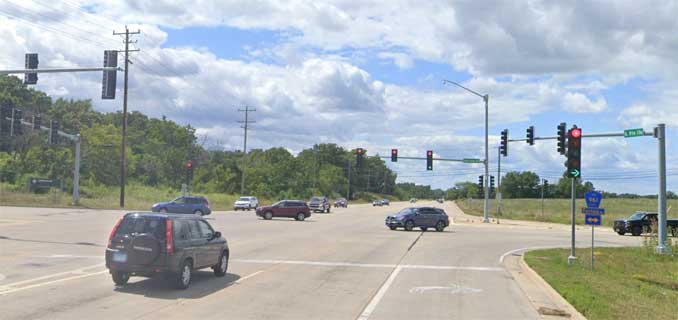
{"x":593,"y":219}
{"x":593,"y":199}
{"x":597,"y":211}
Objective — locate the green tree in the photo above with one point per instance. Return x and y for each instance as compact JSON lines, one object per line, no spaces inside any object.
{"x":520,"y":185}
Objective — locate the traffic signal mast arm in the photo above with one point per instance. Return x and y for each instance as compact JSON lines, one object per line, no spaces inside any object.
{"x":72,"y":137}
{"x":57,"y":70}
{"x":593,"y":135}
{"x":424,"y":158}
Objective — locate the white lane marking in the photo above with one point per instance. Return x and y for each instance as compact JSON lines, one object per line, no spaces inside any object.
{"x":453,"y":289}
{"x":248,"y":276}
{"x":67,"y":256}
{"x":367,"y":312}
{"x":366,"y":265}
{"x":408,"y":266}
{"x":42,"y":284}
{"x":503,"y":256}
{"x":76,"y":271}
{"x":317,"y":263}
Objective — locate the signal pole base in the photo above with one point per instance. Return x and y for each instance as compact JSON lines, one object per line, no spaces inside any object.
{"x":661,"y":249}
{"x":571,"y":260}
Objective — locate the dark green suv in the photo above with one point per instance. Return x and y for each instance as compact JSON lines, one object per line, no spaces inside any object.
{"x":170,"y":245}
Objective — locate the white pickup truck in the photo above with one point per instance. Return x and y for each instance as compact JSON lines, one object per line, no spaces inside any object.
{"x":246,"y":203}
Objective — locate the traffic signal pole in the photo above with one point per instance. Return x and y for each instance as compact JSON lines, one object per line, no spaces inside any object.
{"x":660,"y":134}
{"x":662,"y":246}
{"x":573,"y":257}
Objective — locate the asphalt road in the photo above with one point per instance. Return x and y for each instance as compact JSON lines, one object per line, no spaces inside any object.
{"x":342,"y":265}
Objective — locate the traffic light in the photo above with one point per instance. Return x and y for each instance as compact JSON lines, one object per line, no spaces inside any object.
{"x":561,"y":138}
{"x":31,"y":63}
{"x":17,"y":115}
{"x":359,"y":157}
{"x":530,"y":135}
{"x":491,"y":183}
{"x":189,"y":172}
{"x":546,"y":183}
{"x":503,"y":147}
{"x":37,"y":122}
{"x":429,"y":160}
{"x":574,"y":152}
{"x":394,"y":155}
{"x":110,"y":77}
{"x":54,"y":132}
{"x":480,"y":186}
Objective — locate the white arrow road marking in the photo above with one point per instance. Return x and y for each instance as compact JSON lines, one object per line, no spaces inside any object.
{"x":453,"y":289}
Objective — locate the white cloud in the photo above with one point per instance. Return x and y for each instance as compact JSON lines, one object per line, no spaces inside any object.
{"x":579,"y":103}
{"x":403,"y":61}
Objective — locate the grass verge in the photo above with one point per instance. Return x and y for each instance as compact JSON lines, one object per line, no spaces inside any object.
{"x":628,"y":283}
{"x":558,"y":210}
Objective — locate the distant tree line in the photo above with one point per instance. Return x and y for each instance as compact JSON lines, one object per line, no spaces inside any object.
{"x":158,"y":150}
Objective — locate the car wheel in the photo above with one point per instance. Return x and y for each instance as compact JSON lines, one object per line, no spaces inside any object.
{"x":621,"y":233}
{"x":183,"y":278}
{"x":163,"y":210}
{"x":301,"y":216}
{"x":392,"y":227}
{"x":636,"y":231}
{"x":222,"y":266}
{"x":409,"y":225}
{"x":197,"y":213}
{"x":120,"y":278}
{"x":328,"y":209}
{"x":440,"y":226}
{"x":268,"y":215}
{"x":423,"y":228}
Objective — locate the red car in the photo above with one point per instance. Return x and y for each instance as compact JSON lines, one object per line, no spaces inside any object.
{"x":285,"y":209}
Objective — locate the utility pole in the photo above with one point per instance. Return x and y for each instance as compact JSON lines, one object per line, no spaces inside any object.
{"x":348,"y":190}
{"x":123,"y":163}
{"x":663,"y":246}
{"x":498,"y":194}
{"x":244,"y":150}
{"x":542,"y":196}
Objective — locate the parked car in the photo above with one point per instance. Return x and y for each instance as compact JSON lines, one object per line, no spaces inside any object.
{"x":246,"y":203}
{"x":188,"y":204}
{"x":341,"y":202}
{"x":286,"y":209}
{"x":642,"y":222}
{"x":413,"y":200}
{"x":423,"y":217}
{"x":161,"y":244}
{"x":376,"y":203}
{"x":385,"y":202}
{"x":319,"y":204}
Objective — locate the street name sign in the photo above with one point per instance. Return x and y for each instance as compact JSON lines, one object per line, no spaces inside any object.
{"x":630,"y":133}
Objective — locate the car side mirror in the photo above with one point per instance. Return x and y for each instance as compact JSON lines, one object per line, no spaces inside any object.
{"x":216,"y":235}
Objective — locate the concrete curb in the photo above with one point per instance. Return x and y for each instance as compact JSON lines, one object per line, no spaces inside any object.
{"x":548,"y":303}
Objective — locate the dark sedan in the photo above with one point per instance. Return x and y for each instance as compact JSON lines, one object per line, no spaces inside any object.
{"x":423,"y":217}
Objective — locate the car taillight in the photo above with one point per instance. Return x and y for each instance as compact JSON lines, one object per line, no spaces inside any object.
{"x":115,"y":229}
{"x":168,"y":237}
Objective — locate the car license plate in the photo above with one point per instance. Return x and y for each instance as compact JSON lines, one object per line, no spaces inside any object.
{"x":120,"y":257}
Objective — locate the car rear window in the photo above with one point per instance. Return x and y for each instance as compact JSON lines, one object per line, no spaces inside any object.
{"x":139,"y":225}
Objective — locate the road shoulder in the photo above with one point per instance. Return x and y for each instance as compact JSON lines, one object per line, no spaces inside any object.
{"x":544,"y":299}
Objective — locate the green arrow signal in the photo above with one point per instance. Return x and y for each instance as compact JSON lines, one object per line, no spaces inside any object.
{"x":575,"y":173}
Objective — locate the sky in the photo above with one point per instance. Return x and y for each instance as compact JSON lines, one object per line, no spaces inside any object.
{"x":370,"y":74}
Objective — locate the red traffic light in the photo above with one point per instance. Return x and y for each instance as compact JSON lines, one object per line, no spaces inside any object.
{"x":429,"y":153}
{"x":189,"y":165}
{"x":394,"y":151}
{"x":575,"y":133}
{"x":360,"y":150}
